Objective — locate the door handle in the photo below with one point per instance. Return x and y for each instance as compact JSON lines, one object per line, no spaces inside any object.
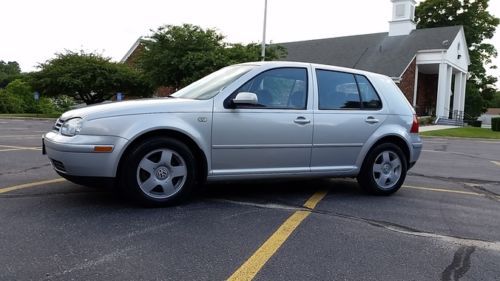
{"x":371,"y":120}
{"x":301,"y":120}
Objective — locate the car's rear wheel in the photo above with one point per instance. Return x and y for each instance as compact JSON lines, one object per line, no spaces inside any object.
{"x":159,"y":171}
{"x":384,"y":170}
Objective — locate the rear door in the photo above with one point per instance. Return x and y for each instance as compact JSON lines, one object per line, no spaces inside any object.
{"x":347,"y":113}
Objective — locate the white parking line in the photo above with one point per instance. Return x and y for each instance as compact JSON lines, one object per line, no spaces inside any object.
{"x":490,"y":142}
{"x":14,"y":148}
{"x":21,"y":136}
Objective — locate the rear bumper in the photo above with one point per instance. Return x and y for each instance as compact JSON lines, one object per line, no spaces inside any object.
{"x":75,"y":156}
{"x":415,"y":154}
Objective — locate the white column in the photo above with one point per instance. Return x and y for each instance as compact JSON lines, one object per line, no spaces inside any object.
{"x":462,"y":93}
{"x":441,"y":91}
{"x":415,"y":89}
{"x":447,"y":108}
{"x":457,"y":94}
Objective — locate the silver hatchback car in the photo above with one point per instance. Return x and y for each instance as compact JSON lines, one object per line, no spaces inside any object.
{"x":247,"y":121}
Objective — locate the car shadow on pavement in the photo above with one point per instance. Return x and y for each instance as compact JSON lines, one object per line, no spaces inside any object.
{"x":289,"y":192}
{"x":294,"y":192}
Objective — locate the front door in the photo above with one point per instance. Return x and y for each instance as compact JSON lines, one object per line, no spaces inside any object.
{"x":272,"y":137}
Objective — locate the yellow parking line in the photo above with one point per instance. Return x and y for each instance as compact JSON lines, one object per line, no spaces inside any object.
{"x":32,"y":184}
{"x":254,"y":264}
{"x":496,"y":163}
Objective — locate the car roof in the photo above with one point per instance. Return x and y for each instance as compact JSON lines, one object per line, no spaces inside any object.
{"x":314,"y":65}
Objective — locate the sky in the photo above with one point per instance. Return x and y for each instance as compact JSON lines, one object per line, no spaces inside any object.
{"x":32,"y":31}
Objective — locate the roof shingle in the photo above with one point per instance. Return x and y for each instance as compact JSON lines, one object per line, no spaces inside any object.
{"x":377,"y":52}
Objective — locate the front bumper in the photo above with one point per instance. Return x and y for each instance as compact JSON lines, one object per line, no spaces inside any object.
{"x":76,"y":156}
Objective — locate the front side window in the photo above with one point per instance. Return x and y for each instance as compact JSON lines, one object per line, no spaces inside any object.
{"x":280,"y":88}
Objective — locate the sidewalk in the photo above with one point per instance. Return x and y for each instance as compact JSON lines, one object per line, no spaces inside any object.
{"x":435,"y":127}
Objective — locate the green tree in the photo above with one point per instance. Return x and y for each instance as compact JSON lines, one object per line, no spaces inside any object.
{"x":178,"y":55}
{"x":495,"y":102}
{"x":8,"y":72}
{"x":474,"y":101}
{"x":88,"y":77}
{"x":478,"y":25}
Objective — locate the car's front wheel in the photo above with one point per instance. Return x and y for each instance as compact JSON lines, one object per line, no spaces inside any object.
{"x":159,"y":171}
{"x":384,"y":170}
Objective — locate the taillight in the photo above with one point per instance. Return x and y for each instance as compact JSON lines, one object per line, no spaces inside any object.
{"x":414,"y":126}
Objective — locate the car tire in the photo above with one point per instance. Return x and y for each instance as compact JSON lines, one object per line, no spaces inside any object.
{"x":159,"y":171}
{"x":384,"y":170}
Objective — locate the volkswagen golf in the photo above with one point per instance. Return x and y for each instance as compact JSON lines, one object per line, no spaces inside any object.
{"x":257,"y":120}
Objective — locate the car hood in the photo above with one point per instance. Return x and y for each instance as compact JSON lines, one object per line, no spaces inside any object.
{"x":143,"y":106}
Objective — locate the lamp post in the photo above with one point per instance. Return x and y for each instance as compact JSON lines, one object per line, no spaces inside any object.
{"x":263,"y":52}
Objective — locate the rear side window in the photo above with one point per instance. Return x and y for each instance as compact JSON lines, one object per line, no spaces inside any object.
{"x":369,"y":97}
{"x":340,"y":90}
{"x":337,"y":90}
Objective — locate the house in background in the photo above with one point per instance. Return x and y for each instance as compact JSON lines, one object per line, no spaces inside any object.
{"x":429,"y":65}
{"x":131,"y":58}
{"x":485,"y":118}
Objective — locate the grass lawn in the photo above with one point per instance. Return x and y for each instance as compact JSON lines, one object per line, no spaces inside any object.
{"x":30,"y":115}
{"x":466,"y":132}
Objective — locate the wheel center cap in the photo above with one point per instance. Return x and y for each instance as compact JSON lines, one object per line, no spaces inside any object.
{"x":386,"y":168}
{"x":161,"y":173}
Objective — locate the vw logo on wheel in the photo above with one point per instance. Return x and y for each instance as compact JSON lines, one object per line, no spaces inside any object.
{"x":161,"y":173}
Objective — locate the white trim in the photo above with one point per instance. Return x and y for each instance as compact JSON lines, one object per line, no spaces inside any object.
{"x":132,"y":49}
{"x":432,"y":51}
{"x":466,"y":47}
{"x":407,"y":66}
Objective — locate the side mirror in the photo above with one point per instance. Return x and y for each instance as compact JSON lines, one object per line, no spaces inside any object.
{"x":245,"y":98}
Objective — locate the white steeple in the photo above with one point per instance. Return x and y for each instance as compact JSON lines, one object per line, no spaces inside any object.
{"x":403,"y":17}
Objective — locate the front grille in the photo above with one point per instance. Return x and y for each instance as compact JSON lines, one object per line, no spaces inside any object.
{"x":57,"y":125}
{"x":58,"y":165}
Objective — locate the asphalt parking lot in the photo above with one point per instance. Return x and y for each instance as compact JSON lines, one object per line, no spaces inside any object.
{"x":444,"y":224}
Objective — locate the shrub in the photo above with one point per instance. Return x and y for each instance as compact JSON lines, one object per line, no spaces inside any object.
{"x":10,"y":103}
{"x":45,"y":106}
{"x":22,"y":91}
{"x":426,"y":120}
{"x":495,"y":124}
{"x":63,"y":103}
{"x":476,"y":123}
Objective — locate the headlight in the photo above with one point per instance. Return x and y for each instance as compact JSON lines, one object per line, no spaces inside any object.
{"x":71,"y":127}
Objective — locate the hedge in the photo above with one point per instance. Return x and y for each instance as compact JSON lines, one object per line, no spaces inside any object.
{"x":495,"y":124}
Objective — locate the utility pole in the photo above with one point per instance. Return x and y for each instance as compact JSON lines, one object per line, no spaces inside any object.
{"x":263,"y":52}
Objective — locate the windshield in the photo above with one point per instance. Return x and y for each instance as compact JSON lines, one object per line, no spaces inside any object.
{"x":209,"y":86}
